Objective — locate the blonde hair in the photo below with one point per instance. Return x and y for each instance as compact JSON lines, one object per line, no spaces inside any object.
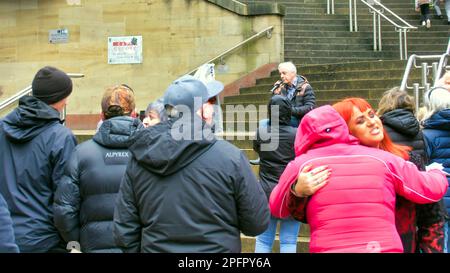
{"x":395,"y":98}
{"x":421,"y":113}
{"x":118,"y":101}
{"x":436,"y":99}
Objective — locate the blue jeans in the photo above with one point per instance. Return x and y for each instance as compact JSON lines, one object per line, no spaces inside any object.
{"x":288,"y":236}
{"x":446,"y":241}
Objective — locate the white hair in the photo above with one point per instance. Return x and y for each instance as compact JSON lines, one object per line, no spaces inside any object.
{"x":435,"y":100}
{"x":289,"y":66}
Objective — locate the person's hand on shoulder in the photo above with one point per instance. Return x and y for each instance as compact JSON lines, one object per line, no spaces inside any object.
{"x":311,"y":180}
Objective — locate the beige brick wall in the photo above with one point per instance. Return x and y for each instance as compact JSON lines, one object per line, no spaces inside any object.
{"x":178,"y":35}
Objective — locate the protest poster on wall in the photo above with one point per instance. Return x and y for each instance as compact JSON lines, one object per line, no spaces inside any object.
{"x":125,"y":50}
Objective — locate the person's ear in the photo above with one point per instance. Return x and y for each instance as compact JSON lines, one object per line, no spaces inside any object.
{"x":102,"y":115}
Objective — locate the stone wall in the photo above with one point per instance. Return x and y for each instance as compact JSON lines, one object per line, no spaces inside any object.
{"x":178,"y":36}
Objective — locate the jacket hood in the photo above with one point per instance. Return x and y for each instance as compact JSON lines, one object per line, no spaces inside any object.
{"x":169,"y":147}
{"x":284,"y":110}
{"x":29,"y":119}
{"x":439,"y":120}
{"x":320,"y":127}
{"x":117,"y":132}
{"x":402,"y":121}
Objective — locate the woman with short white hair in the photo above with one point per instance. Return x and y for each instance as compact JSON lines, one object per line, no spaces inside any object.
{"x":436,"y":133}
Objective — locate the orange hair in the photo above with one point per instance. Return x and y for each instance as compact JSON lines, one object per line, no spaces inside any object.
{"x":345,"y":109}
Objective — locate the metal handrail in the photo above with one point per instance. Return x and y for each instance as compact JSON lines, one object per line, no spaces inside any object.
{"x":443,"y":62}
{"x":437,"y":71}
{"x":377,"y":14}
{"x":408,"y":26}
{"x":267,"y":31}
{"x":402,"y":30}
{"x":27,"y":91}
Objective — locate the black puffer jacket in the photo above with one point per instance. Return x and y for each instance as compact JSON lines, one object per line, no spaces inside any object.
{"x":34,"y":149}
{"x":275,"y":144}
{"x":404,"y":128}
{"x":84,"y":203}
{"x":187,"y":195}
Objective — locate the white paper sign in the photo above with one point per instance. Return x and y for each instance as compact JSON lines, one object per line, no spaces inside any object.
{"x":58,"y":36}
{"x":125,"y":50}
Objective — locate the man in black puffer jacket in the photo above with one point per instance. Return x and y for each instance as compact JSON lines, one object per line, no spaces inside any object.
{"x":84,"y":202}
{"x":184,"y":190}
{"x":34,"y":149}
{"x":420,"y":226}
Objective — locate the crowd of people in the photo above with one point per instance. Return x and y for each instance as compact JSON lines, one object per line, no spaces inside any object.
{"x":364,"y":180}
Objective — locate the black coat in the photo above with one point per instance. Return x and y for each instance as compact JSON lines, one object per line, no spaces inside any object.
{"x":404,"y":128}
{"x":85,"y":199}
{"x":273,"y":160}
{"x":187,"y":195}
{"x":7,"y":241}
{"x":304,"y":99}
{"x":34,"y":149}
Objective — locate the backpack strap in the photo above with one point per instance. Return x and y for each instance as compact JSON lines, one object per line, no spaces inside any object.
{"x":301,"y":88}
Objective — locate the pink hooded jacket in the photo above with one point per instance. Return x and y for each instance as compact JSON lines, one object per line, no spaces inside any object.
{"x":354,"y":212}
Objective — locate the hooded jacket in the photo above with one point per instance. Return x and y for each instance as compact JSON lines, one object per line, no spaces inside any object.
{"x":436,"y":131}
{"x":354,"y":212}
{"x":85,"y":199}
{"x":404,"y":128}
{"x":35,"y":147}
{"x":273,"y":159}
{"x":187,"y":195}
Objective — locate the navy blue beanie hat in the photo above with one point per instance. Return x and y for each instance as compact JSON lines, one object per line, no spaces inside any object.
{"x":51,"y":85}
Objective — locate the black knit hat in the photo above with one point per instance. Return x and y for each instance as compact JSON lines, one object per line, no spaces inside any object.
{"x":51,"y":85}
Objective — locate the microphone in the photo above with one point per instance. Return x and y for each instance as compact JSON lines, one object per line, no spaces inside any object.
{"x":275,"y":86}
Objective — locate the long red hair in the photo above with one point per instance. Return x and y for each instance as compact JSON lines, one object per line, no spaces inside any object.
{"x":345,"y":109}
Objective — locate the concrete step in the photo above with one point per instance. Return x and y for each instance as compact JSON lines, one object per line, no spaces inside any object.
{"x":367,"y":41}
{"x":336,"y":53}
{"x":373,"y":102}
{"x":346,"y":75}
{"x":371,"y":93}
{"x":438,"y":47}
{"x":359,"y":83}
{"x":327,"y":60}
{"x":300,"y":33}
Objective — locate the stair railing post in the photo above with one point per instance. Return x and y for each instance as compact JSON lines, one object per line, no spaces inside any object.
{"x":424,"y":73}
{"x":416,"y":95}
{"x":332,"y":6}
{"x":379,"y":33}
{"x":356,"y":16}
{"x":434,"y":71}
{"x":405,"y":43}
{"x":400,"y":43}
{"x":427,"y":87}
{"x":374,"y":30}
{"x":350,"y":8}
